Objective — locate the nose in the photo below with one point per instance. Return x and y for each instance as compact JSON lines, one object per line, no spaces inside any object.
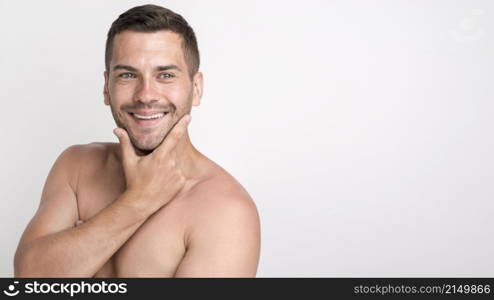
{"x":146,"y":92}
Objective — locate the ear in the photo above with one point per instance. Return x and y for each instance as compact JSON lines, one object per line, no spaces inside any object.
{"x":197,"y":84}
{"x":106,"y":93}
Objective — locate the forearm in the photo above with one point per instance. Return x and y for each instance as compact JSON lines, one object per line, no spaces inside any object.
{"x":81,"y":251}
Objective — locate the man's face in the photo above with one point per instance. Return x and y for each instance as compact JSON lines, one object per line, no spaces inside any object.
{"x":148,"y":86}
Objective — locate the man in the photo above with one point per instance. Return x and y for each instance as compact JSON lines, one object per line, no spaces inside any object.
{"x":151,"y":205}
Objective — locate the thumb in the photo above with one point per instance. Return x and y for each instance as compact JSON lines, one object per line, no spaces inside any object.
{"x":128,"y":153}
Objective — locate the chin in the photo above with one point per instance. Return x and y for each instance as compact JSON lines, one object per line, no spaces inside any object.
{"x":146,"y":145}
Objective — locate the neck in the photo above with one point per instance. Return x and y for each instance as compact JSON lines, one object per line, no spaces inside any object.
{"x":188,"y":158}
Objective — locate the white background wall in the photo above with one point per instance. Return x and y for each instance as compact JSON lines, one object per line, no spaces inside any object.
{"x":362,"y":129}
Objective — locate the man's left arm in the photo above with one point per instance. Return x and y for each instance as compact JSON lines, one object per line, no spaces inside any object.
{"x":224,"y":242}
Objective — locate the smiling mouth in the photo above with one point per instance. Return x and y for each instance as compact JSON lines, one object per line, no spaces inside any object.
{"x":146,"y":119}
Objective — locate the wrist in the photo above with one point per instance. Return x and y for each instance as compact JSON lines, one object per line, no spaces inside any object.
{"x":135,"y":200}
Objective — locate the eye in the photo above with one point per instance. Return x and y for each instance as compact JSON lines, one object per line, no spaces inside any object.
{"x":127,"y":75}
{"x":166,"y":75}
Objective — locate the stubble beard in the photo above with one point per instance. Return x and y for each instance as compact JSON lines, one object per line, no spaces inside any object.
{"x":139,"y":149}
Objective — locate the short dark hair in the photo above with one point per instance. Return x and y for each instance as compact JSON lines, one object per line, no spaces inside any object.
{"x":152,"y":18}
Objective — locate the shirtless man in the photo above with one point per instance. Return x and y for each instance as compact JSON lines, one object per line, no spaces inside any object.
{"x":151,"y":205}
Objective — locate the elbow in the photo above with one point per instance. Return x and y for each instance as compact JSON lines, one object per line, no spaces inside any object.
{"x":24,"y":265}
{"x":28,"y":263}
{"x":20,"y":264}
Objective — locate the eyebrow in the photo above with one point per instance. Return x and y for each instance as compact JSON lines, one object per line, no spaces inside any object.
{"x":158,"y":68}
{"x":168,"y":67}
{"x":125,"y":67}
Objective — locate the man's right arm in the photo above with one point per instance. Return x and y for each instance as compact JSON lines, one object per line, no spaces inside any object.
{"x":52,"y":247}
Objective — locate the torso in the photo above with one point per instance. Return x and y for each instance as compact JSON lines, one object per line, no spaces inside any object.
{"x":157,"y":247}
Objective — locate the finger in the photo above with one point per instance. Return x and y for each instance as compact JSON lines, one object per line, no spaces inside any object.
{"x":128,"y":153}
{"x":175,"y":134}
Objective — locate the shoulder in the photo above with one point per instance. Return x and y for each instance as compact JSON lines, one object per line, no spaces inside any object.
{"x":83,"y":151}
{"x":218,"y":202}
{"x":88,"y":154}
{"x":220,"y":190}
{"x":79,"y":157}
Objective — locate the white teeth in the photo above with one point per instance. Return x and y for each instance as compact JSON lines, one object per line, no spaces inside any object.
{"x":156,"y":116}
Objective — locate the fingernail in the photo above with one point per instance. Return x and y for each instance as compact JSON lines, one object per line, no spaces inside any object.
{"x":116,"y":132}
{"x":188,"y":118}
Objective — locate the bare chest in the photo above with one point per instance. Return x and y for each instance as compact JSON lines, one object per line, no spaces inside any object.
{"x":155,"y":249}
